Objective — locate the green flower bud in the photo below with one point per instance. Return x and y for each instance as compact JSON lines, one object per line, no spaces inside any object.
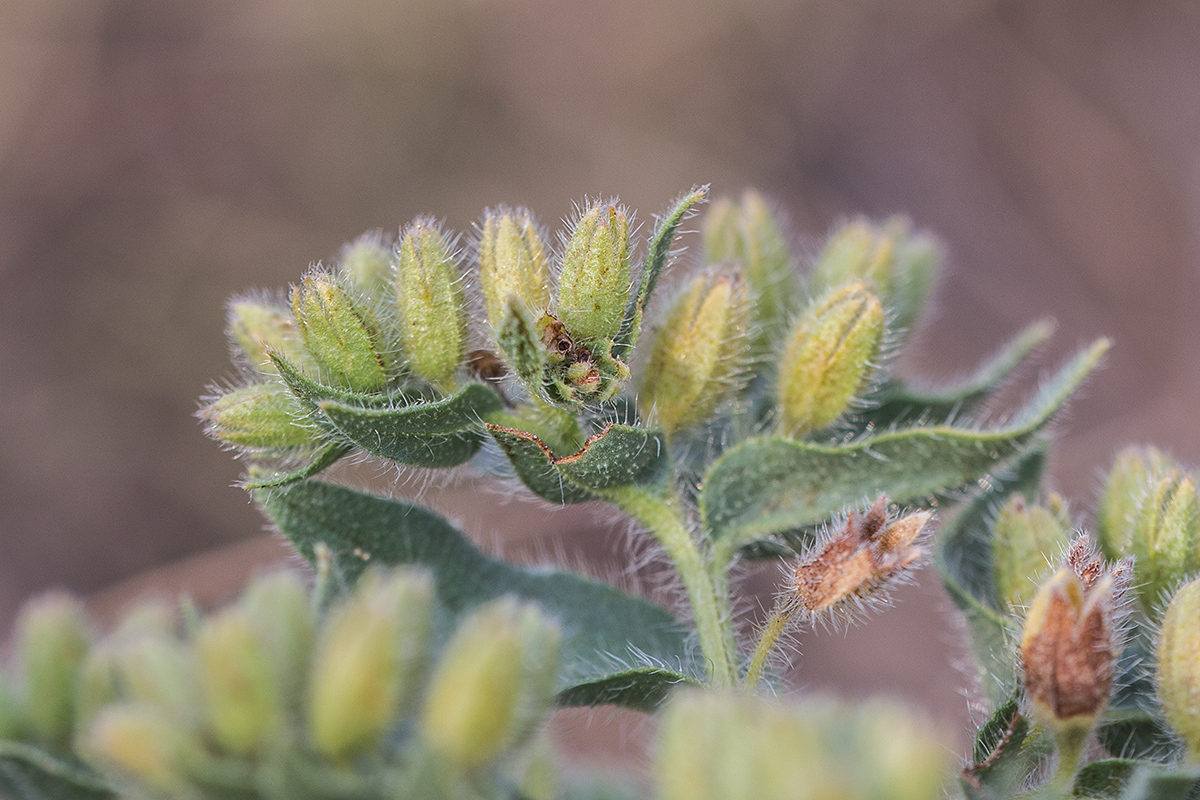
{"x":12,"y":718}
{"x":512,"y":263}
{"x":278,"y":606}
{"x":365,"y":663}
{"x":143,"y":744}
{"x":366,"y":263}
{"x":341,"y":333}
{"x":52,"y":641}
{"x":827,"y":357}
{"x":157,"y":670}
{"x":1133,"y":472}
{"x":1166,"y":538}
{"x":257,"y":327}
{"x":751,"y":234}
{"x":495,"y":676}
{"x":1026,"y":539}
{"x":429,"y":291}
{"x":594,"y":287}
{"x":98,"y":684}
{"x":521,"y":345}
{"x":1179,"y":666}
{"x":261,"y":416}
{"x":242,"y":699}
{"x":698,"y":351}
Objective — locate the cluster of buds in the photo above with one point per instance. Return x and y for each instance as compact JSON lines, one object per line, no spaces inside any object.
{"x":267,"y":699}
{"x":1027,"y":539}
{"x":736,"y":746}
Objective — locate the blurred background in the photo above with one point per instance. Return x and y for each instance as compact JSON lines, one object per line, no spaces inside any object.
{"x":157,"y":157}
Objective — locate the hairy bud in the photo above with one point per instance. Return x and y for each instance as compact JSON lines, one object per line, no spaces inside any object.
{"x":698,"y":351}
{"x":827,"y":357}
{"x":1026,"y":538}
{"x":142,"y":743}
{"x":1179,"y":666}
{"x":242,"y":701}
{"x":512,"y":263}
{"x":157,"y":670}
{"x":52,"y":641}
{"x":278,"y":606}
{"x":429,"y":291}
{"x":341,"y":333}
{"x":595,"y":281}
{"x":366,"y":264}
{"x":258,"y":328}
{"x":1133,"y":472}
{"x":261,"y":416}
{"x":1166,"y":538}
{"x":366,"y":661}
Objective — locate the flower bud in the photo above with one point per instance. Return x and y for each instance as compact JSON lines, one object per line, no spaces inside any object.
{"x":750,"y":234}
{"x":1133,"y":472}
{"x":11,"y":717}
{"x":157,"y":670}
{"x":485,"y":692}
{"x":365,"y":662}
{"x":1068,"y":651}
{"x":698,"y":351}
{"x":594,"y":287}
{"x":341,"y":333}
{"x":512,"y":263}
{"x":52,"y":641}
{"x":278,"y":606}
{"x":257,"y":327}
{"x":98,"y":684}
{"x":366,"y":263}
{"x":142,"y":743}
{"x":1166,"y":538}
{"x":827,"y":357}
{"x":519,"y":341}
{"x":428,"y":289}
{"x":242,"y":700}
{"x":1179,"y":666}
{"x":261,"y":416}
{"x":1026,"y":538}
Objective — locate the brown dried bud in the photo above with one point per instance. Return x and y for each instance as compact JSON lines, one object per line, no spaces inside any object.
{"x":1068,"y":644}
{"x":865,"y":555}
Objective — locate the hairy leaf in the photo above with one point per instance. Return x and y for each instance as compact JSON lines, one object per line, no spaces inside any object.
{"x":1137,"y":734}
{"x":1152,"y":782}
{"x":1104,"y":778}
{"x":617,"y":648}
{"x":27,"y":773}
{"x":310,"y":392}
{"x":1000,"y":758}
{"x":324,"y":458}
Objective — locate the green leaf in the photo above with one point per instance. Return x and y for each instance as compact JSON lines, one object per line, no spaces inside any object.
{"x":617,"y":456}
{"x":1151,"y":782}
{"x":768,"y":485}
{"x":1000,"y":759}
{"x":617,"y":648}
{"x":1104,"y":778}
{"x":1137,"y":734}
{"x":901,"y":403}
{"x":27,"y":773}
{"x":311,"y":393}
{"x":326,"y":457}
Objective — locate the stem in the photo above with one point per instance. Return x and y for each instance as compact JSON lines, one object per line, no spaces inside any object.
{"x":707,"y":588}
{"x":766,"y":643}
{"x":1069,"y":739}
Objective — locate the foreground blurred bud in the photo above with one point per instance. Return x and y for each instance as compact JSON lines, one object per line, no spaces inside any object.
{"x":52,"y":641}
{"x":142,"y":743}
{"x":258,"y":327}
{"x":278,"y":607}
{"x":241,"y":696}
{"x":1179,"y":666}
{"x":698,"y":351}
{"x":495,"y":678}
{"x":1133,"y":472}
{"x":1166,"y":538}
{"x":367,"y":264}
{"x":260,"y":416}
{"x":595,"y":281}
{"x":366,"y":661}
{"x":158,"y":670}
{"x":432,"y":314}
{"x":1026,"y":539}
{"x":340,"y":333}
{"x":716,"y":746}
{"x":827,"y":357}
{"x":750,"y":234}
{"x":512,"y":263}
{"x":11,"y":716}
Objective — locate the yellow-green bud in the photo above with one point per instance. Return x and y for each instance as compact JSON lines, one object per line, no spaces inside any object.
{"x":242,"y":701}
{"x":751,"y":234}
{"x":257,"y":327}
{"x":1179,"y":666}
{"x":142,"y":743}
{"x":52,"y":641}
{"x":432,"y":314}
{"x":698,"y":351}
{"x":1166,"y":538}
{"x":366,"y":660}
{"x":1026,"y":539}
{"x":367,"y":264}
{"x":278,"y":606}
{"x":260,"y":416}
{"x":341,"y":333}
{"x":827,"y":357}
{"x":594,"y":287}
{"x":98,"y":684}
{"x":157,"y":670}
{"x":1133,"y":472}
{"x":11,"y":717}
{"x":484,"y":692}
{"x":512,"y":263}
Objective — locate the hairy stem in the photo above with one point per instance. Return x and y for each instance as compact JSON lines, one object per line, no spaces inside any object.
{"x":767,"y":640}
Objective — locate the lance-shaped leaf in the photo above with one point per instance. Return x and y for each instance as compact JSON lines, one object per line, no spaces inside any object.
{"x":617,"y":648}
{"x":1000,"y":759}
{"x":441,"y":433}
{"x":324,"y":458}
{"x":768,"y":485}
{"x":1105,"y":778}
{"x":901,"y":403}
{"x":1154,"y":782}
{"x":28,"y":773}
{"x":619,"y":455}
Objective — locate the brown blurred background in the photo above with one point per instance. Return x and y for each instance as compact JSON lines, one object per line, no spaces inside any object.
{"x":157,"y":157}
